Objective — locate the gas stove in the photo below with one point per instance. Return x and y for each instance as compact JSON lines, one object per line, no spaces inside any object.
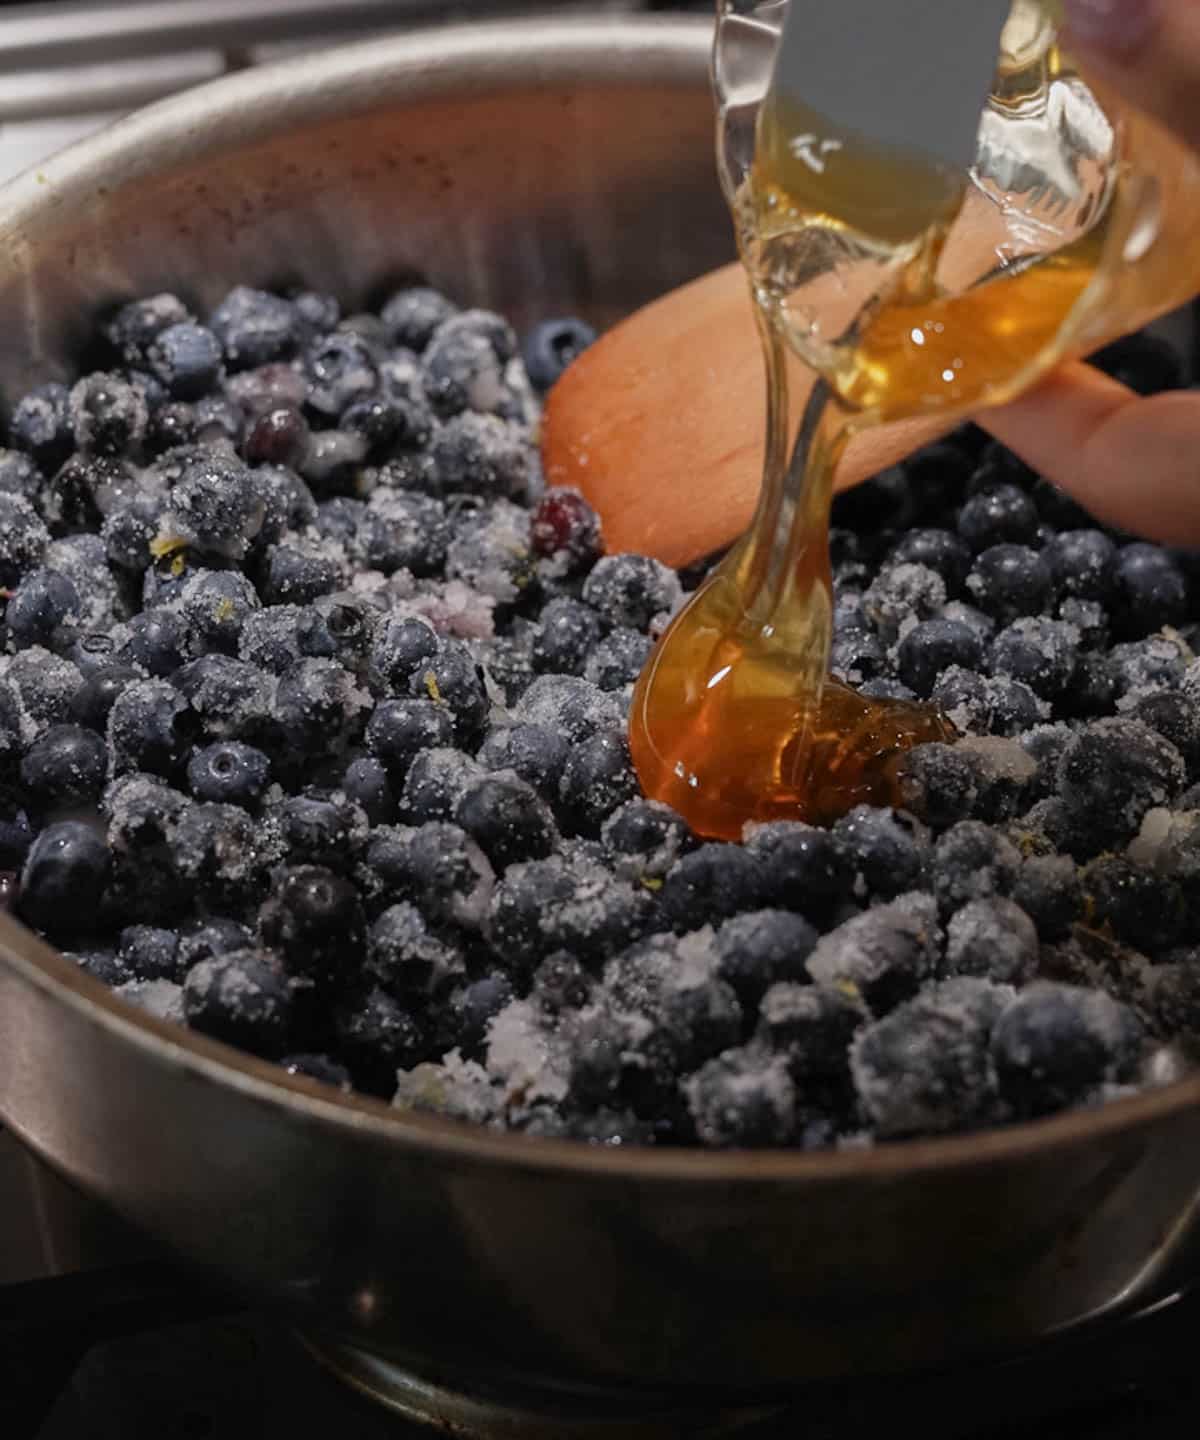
{"x":104,"y":1337}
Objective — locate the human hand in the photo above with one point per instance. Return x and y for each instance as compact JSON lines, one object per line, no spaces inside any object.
{"x":1132,"y":462}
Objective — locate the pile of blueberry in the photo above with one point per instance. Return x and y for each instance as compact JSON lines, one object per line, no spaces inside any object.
{"x":312,"y":738}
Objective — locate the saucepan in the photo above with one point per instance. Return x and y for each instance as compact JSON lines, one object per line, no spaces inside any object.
{"x":535,"y":167}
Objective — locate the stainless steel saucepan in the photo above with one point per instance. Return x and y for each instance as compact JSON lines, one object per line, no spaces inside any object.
{"x":537,"y":167}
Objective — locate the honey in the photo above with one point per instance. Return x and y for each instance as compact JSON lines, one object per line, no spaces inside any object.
{"x":735,"y":718}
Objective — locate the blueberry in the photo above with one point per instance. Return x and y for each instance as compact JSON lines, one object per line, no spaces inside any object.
{"x":63,"y":878}
{"x":993,"y":939}
{"x":254,"y":328}
{"x":316,"y":706}
{"x":241,"y":999}
{"x":1151,"y":591}
{"x":933,"y":646}
{"x":220,"y":856}
{"x":409,"y":960}
{"x":413,"y":316}
{"x":812,"y":1025}
{"x":41,"y":425}
{"x":743,"y":1098}
{"x":1113,"y":772}
{"x":762,"y":947}
{"x":23,"y":539}
{"x":566,"y":530}
{"x":644,"y":839}
{"x":444,"y":871}
{"x":451,"y":679}
{"x":618,"y":659}
{"x":900,"y":594}
{"x":150,"y":952}
{"x":1056,"y":1043}
{"x":1176,"y":717}
{"x":887,"y":849}
{"x":972,"y":861}
{"x":1142,"y":908}
{"x":799,"y":868}
{"x":213,"y":935}
{"x":170,"y":425}
{"x":1083,"y":564}
{"x":939,"y":550}
{"x":551,"y":346}
{"x":1000,"y":515}
{"x":507,"y":819}
{"x":400,"y":648}
{"x":16,"y":836}
{"x":150,"y":727}
{"x":464,"y":362}
{"x":712,"y":883}
{"x":560,"y":983}
{"x":156,"y":642}
{"x":1008,"y":581}
{"x":340,"y":369}
{"x":631,"y":590}
{"x":376,"y":1037}
{"x":65,"y":765}
{"x":229,"y":773}
{"x":885,"y":953}
{"x":1049,"y":889}
{"x":320,"y":831}
{"x":19,"y":475}
{"x":490,"y":553}
{"x":480,"y":455}
{"x":573,"y":708}
{"x":534,"y":752}
{"x":314,"y":921}
{"x":366,"y":784}
{"x":435,"y":782}
{"x":857,"y":656}
{"x":404,"y":531}
{"x":44,"y":601}
{"x":215,"y":605}
{"x":108,"y":416}
{"x":216,"y":507}
{"x":597,"y":778}
{"x":399,"y":730}
{"x":926,"y":1069}
{"x":134,"y":327}
{"x":1093,"y":690}
{"x":473,"y":1008}
{"x":231,"y":698}
{"x":186,"y":358}
{"x":1038,"y":653}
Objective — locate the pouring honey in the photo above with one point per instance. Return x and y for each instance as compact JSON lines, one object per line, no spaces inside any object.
{"x":915,"y":279}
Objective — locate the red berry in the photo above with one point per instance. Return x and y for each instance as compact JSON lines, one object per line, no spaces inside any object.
{"x":280,"y":437}
{"x":565,"y":522}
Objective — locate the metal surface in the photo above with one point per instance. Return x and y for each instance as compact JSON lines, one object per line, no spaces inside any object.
{"x":533,"y":167}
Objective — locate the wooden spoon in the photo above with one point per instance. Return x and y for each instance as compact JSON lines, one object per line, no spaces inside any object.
{"x":660,"y":424}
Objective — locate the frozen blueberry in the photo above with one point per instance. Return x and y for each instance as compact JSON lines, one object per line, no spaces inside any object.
{"x":813,"y":1026}
{"x":597,"y":778}
{"x":400,"y":648}
{"x":1151,"y":591}
{"x":1038,"y":653}
{"x":533,"y":752}
{"x":170,"y":425}
{"x":254,"y":327}
{"x":451,"y":679}
{"x":566,"y":530}
{"x":1083,"y":564}
{"x":799,"y":867}
{"x":376,"y":1037}
{"x":216,"y":507}
{"x":155,"y":642}
{"x":132,"y":330}
{"x":213,"y":935}
{"x":366,"y":783}
{"x":926,"y":1069}
{"x":993,"y":939}
{"x":1093,"y":689}
{"x":409,"y":960}
{"x":150,"y":727}
{"x":412,"y":316}
{"x":23,"y":539}
{"x":1113,"y":772}
{"x":108,"y":415}
{"x":887,"y":849}
{"x":1008,"y":581}
{"x":631,"y":590}
{"x":1057,"y":1043}
{"x":65,"y":765}
{"x":472,"y":1009}
{"x":43,"y":602}
{"x":399,"y":730}
{"x":314,"y":921}
{"x":317,"y":706}
{"x":215,"y":605}
{"x":465,"y":362}
{"x":885,"y":954}
{"x":436,"y":780}
{"x":507,"y":819}
{"x":999,"y":515}
{"x":63,"y":878}
{"x":972,"y":861}
{"x":618,"y":659}
{"x":744,"y":1097}
{"x":566,"y":638}
{"x":1143,"y":908}
{"x":551,"y":346}
{"x":762,"y":947}
{"x":901,"y":594}
{"x":187,"y":359}
{"x":931,"y":647}
{"x":1176,"y":717}
{"x":480,"y":455}
{"x":572,"y":707}
{"x":1048,"y":888}
{"x":19,"y":475}
{"x":229,"y":773}
{"x":857,"y":656}
{"x":405,"y":531}
{"x":645,"y":838}
{"x":41,"y":425}
{"x":939,"y":550}
{"x":710,"y":884}
{"x":1156,"y":663}
{"x":241,"y":999}
{"x":560,"y":983}
{"x":16,"y":836}
{"x":151,"y":953}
